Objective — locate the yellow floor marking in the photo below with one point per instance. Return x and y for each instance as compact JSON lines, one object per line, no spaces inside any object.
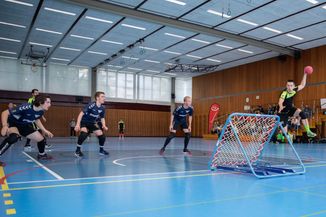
{"x":9,"y":202}
{"x":6,"y":195}
{"x":4,"y":186}
{"x":10,"y":211}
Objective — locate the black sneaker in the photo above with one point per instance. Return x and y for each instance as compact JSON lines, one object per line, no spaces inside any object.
{"x":78,"y":153}
{"x":48,"y":146}
{"x":2,"y":164}
{"x":187,"y":151}
{"x":44,"y":157}
{"x":162,"y":151}
{"x":27,"y":146}
{"x":103,"y":152}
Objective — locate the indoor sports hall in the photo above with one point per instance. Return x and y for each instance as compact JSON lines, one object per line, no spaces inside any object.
{"x":163,"y":108}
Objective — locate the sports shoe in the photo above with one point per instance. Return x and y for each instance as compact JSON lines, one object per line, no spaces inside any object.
{"x":311,"y":134}
{"x":44,"y":157}
{"x":162,"y":151}
{"x":2,"y":164}
{"x":48,"y":146}
{"x":78,"y":153}
{"x":27,"y":146}
{"x":187,"y":151}
{"x":103,"y":152}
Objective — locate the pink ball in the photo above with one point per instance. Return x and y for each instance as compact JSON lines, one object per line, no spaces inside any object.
{"x":308,"y":70}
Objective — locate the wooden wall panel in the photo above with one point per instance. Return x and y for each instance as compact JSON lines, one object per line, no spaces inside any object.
{"x":265,"y":79}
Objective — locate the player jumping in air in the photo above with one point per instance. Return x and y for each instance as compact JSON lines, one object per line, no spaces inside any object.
{"x":286,"y":106}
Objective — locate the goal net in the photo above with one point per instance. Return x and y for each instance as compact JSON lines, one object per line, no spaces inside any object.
{"x":244,"y":146}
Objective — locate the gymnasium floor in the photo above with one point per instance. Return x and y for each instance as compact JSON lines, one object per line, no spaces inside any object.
{"x":136,"y":181}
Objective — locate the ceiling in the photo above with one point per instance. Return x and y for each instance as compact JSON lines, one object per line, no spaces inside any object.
{"x":85,"y":36}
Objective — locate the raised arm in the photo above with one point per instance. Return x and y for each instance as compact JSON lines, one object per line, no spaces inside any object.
{"x":303,"y":82}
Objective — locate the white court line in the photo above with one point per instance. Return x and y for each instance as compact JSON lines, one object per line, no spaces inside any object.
{"x":58,"y":177}
{"x":103,"y":177}
{"x":152,"y":156}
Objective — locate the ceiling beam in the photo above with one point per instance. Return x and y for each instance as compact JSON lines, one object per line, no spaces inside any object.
{"x":149,"y":17}
{"x":31,"y":26}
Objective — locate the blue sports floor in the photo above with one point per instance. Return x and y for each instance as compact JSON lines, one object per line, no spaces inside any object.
{"x":134,"y":181}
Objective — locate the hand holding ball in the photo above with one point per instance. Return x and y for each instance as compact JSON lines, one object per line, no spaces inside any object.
{"x":308,"y":70}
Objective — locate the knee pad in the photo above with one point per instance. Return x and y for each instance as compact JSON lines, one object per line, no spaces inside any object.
{"x":303,"y":115}
{"x":82,"y":137}
{"x":101,"y":140}
{"x":11,"y":139}
{"x":172,"y":135}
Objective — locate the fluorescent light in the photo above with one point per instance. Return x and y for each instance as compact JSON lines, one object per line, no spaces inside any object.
{"x":294,"y":36}
{"x":200,"y":41}
{"x":247,"y":22}
{"x":98,"y":19}
{"x":59,"y":11}
{"x":14,"y":58}
{"x":54,"y":58}
{"x":174,"y":35}
{"x":49,"y":31}
{"x":20,"y":2}
{"x":68,"y":48}
{"x":151,"y":61}
{"x":137,"y":69}
{"x":245,"y":51}
{"x":214,"y":60}
{"x":39,"y":44}
{"x":122,"y":71}
{"x":133,"y":27}
{"x":148,"y":70}
{"x":9,"y":39}
{"x":12,"y":24}
{"x":112,"y":42}
{"x":177,"y":2}
{"x":312,"y":1}
{"x":82,"y":37}
{"x":171,"y":52}
{"x":324,"y":6}
{"x":99,"y":53}
{"x":224,"y":46}
{"x":193,"y":56}
{"x":272,"y":30}
{"x":132,"y":58}
{"x":7,"y":52}
{"x":218,"y":13}
{"x":148,"y":48}
{"x":114,"y":66}
{"x":169,"y":73}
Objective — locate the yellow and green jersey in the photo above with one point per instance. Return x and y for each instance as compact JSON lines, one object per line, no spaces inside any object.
{"x":31,"y":100}
{"x":288,"y":97}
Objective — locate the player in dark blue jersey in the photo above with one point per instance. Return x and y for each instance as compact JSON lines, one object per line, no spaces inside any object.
{"x":20,"y":121}
{"x":87,"y":123}
{"x":179,"y":118}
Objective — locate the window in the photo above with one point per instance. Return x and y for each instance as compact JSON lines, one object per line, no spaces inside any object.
{"x":68,"y":80}
{"x":154,"y":88}
{"x":115,"y":84}
{"x":183,"y":87}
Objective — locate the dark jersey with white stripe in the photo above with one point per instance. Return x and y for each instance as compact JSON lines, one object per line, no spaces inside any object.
{"x":92,"y":113}
{"x":25,"y":114}
{"x":180,"y":113}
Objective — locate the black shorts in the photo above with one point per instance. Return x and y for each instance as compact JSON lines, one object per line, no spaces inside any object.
{"x":121,"y":131}
{"x":91,"y":127}
{"x":286,"y":113}
{"x":23,"y":129}
{"x":177,"y":123}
